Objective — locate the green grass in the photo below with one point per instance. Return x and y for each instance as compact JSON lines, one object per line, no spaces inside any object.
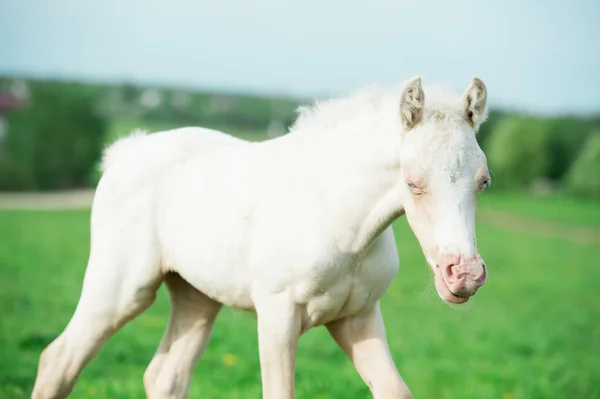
{"x":532,"y":332}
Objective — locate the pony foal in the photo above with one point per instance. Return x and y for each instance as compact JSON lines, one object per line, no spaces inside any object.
{"x":295,"y":228}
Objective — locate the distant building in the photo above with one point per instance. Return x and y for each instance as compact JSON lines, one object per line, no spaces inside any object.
{"x":150,"y":98}
{"x":180,"y":100}
{"x":221,"y":103}
{"x":8,"y":102}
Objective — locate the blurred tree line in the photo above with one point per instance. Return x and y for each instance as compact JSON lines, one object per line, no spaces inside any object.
{"x":52,"y":140}
{"x":56,"y":138}
{"x":543,"y":154}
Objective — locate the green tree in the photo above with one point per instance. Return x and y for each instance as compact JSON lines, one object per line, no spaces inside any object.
{"x":54,"y":141}
{"x":518,"y":152}
{"x":568,"y":135}
{"x":583,"y":177}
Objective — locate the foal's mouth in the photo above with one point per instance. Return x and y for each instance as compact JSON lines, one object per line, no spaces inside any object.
{"x":445,"y":292}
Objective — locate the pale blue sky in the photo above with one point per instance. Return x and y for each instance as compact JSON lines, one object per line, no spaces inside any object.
{"x":540,"y":56}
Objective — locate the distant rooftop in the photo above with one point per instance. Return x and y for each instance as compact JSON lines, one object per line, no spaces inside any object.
{"x":8,"y":102}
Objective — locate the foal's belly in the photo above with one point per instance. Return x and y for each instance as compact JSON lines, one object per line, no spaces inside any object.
{"x":349,"y":291}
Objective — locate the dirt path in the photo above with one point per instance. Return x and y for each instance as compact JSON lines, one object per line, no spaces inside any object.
{"x":545,"y":228}
{"x":74,"y":199}
{"x":82,"y":199}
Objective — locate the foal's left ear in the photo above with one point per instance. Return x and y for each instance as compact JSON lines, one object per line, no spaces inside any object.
{"x":474,"y":102}
{"x":412,"y":103}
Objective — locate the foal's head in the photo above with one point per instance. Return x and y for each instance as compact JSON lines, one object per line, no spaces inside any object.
{"x":444,"y":170}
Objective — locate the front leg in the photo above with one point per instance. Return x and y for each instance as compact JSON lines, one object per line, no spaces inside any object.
{"x":278,"y":333}
{"x":363,"y":339}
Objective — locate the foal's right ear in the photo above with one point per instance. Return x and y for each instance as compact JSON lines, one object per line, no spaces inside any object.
{"x":412,"y":103}
{"x":475,"y":100}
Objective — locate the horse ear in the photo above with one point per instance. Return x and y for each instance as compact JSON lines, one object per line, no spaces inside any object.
{"x":474,"y":103}
{"x":412,"y":103}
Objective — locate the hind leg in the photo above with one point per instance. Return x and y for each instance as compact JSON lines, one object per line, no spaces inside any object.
{"x":113,"y":293}
{"x":192,"y":318}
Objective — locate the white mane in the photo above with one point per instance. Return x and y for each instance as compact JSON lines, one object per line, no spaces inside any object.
{"x":441,"y":106}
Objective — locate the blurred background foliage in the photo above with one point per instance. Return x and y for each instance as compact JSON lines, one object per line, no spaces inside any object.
{"x":53,"y":132}
{"x":53,"y":135}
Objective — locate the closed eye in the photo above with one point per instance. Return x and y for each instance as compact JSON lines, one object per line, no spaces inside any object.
{"x":414,"y":188}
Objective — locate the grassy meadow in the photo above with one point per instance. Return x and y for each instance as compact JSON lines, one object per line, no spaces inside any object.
{"x":533,"y":331}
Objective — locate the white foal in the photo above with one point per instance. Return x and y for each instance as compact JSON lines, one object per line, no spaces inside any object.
{"x":295,"y":228}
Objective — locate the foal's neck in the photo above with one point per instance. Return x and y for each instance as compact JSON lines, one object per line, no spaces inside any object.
{"x":360,"y":167}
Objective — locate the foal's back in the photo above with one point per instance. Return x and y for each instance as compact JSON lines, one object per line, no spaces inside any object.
{"x":186,"y":197}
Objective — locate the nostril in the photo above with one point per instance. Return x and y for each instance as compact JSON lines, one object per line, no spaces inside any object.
{"x":449,"y":263}
{"x":483,"y":277}
{"x":450,"y":272}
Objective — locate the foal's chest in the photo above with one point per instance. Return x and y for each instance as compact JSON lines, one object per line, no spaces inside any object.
{"x":349,"y":290}
{"x":344,"y":298}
